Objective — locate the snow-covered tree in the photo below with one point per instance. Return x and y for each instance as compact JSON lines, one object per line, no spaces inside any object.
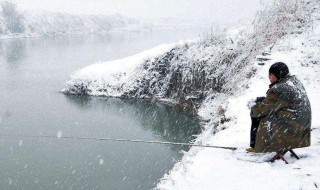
{"x":12,"y":18}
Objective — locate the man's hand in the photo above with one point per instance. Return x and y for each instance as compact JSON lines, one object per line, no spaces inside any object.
{"x":260,"y":99}
{"x":255,"y":101}
{"x":251,"y":103}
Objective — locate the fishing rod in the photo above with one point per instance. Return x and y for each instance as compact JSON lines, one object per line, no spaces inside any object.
{"x":118,"y":140}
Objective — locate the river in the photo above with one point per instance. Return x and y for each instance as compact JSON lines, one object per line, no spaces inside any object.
{"x":32,"y":72}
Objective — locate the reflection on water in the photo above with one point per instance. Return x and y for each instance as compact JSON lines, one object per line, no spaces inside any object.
{"x":169,"y":123}
{"x":13,"y":51}
{"x":80,"y":101}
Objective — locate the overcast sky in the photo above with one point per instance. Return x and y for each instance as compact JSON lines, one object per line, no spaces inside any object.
{"x":215,"y":11}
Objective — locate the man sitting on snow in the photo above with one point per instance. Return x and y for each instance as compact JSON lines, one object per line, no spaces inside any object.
{"x":282,"y":120}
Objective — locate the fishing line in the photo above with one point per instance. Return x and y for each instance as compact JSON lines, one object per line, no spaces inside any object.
{"x":118,"y":140}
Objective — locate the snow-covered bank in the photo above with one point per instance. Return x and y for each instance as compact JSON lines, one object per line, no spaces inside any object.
{"x":16,"y":24}
{"x":112,"y":78}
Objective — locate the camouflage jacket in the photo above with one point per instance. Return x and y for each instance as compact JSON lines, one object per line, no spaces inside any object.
{"x":285,"y":117}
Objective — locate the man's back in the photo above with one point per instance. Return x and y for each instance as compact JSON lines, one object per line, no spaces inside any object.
{"x":285,"y":117}
{"x":290,"y":89}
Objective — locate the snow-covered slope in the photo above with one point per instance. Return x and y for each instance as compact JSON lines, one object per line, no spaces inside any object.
{"x":222,"y":73}
{"x":112,"y":78}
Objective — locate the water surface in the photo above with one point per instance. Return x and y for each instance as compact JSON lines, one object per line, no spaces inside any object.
{"x":32,"y":71}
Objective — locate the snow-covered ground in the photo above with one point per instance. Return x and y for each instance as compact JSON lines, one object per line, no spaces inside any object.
{"x":206,"y":168}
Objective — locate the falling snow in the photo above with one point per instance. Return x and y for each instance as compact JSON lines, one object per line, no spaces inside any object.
{"x":59,"y":134}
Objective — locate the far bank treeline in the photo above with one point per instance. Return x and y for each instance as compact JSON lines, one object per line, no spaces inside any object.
{"x":14,"y":22}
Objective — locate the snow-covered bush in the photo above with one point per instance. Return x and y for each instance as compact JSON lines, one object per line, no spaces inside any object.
{"x":281,"y":18}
